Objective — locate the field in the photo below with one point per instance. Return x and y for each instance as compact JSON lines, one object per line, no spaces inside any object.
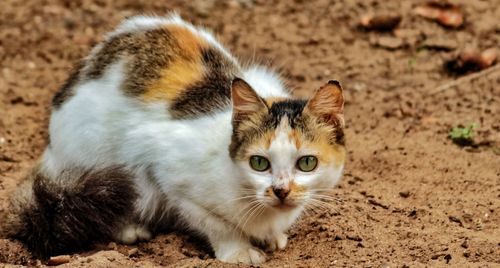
{"x":410,"y":197}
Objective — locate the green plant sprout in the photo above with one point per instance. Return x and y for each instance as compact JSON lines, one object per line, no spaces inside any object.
{"x":463,"y":136}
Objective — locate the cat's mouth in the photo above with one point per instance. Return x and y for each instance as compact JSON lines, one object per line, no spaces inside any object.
{"x":284,"y":205}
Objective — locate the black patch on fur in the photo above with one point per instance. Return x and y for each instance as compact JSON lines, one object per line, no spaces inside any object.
{"x":339,"y":136}
{"x":292,"y":109}
{"x":90,"y":208}
{"x":108,"y":54}
{"x":150,"y":52}
{"x":211,"y":93}
{"x":65,"y":92}
{"x":237,"y":140}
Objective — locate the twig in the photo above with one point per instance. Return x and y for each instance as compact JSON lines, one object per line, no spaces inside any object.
{"x":466,"y":78}
{"x":5,"y":158}
{"x":376,"y":203}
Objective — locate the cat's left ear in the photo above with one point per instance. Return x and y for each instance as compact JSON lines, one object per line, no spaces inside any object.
{"x":328,"y":103}
{"x":245,"y":99}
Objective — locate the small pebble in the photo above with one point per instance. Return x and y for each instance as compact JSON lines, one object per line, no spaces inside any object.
{"x":112,"y":245}
{"x":58,"y":260}
{"x":465,"y":244}
{"x":404,"y":194}
{"x":132,"y":251}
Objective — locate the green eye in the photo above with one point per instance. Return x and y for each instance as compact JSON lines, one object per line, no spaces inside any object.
{"x":307,"y":163}
{"x":259,"y":163}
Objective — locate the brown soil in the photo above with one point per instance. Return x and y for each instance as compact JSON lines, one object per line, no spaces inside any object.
{"x":409,"y":197}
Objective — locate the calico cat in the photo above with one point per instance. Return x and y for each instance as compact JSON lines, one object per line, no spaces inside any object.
{"x":161,"y":126}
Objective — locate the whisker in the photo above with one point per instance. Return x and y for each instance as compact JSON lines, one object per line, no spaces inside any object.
{"x":311,"y":208}
{"x":323,"y":205}
{"x":246,"y":211}
{"x":326,"y":197}
{"x":210,"y":212}
{"x":259,"y":208}
{"x":253,"y":206}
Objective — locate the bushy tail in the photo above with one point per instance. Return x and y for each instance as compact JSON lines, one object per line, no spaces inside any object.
{"x":60,"y":215}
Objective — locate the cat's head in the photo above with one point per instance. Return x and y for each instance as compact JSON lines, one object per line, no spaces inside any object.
{"x":289,"y":151}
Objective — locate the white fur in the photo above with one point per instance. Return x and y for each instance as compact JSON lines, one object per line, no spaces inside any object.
{"x":144,"y":23}
{"x":188,"y":159}
{"x":267,"y":83}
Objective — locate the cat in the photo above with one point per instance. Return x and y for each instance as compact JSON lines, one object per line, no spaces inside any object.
{"x":161,"y":126}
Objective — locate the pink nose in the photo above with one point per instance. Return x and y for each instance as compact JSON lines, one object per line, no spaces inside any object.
{"x":281,"y":192}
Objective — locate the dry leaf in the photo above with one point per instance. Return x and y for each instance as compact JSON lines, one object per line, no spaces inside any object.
{"x":380,"y":22}
{"x":488,"y":57}
{"x":472,"y":60}
{"x":446,"y":14}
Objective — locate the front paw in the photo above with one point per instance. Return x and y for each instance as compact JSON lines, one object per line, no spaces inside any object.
{"x":246,"y":255}
{"x":274,"y":243}
{"x":281,"y":240}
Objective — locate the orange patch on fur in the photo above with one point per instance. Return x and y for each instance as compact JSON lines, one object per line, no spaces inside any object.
{"x":294,"y":136}
{"x":268,"y":138}
{"x":271,"y":100}
{"x":185,"y":69}
{"x":189,"y":42}
{"x":328,"y":153}
{"x":174,"y":80}
{"x":269,"y":192}
{"x":297,"y":189}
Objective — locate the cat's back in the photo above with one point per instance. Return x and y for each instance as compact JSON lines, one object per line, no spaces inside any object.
{"x":150,"y":86}
{"x":150,"y":60}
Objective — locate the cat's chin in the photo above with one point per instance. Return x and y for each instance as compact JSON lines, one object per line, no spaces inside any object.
{"x":284,"y":207}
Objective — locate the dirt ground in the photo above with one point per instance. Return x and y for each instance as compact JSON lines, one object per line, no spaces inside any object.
{"x":409,"y":198}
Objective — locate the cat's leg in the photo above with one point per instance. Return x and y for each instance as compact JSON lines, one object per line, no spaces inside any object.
{"x":277,"y":238}
{"x":148,"y":204}
{"x":132,"y":233}
{"x":228,"y":244}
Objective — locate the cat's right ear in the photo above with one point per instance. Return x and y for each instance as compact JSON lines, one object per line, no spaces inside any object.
{"x":245,"y":99}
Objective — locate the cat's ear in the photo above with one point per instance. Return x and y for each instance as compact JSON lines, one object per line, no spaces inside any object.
{"x":245,"y":99}
{"x":328,"y":103}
